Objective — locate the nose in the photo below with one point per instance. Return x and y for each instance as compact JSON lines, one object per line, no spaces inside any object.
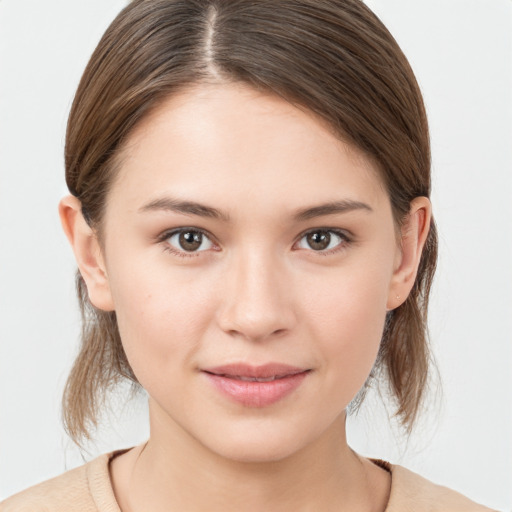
{"x":256,"y":298}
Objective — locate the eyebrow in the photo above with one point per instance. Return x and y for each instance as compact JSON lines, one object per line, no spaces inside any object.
{"x":342,"y":206}
{"x":193,"y":208}
{"x":186,"y":207}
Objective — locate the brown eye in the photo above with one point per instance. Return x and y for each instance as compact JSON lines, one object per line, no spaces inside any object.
{"x":322,"y":239}
{"x":189,"y":240}
{"x":319,"y":240}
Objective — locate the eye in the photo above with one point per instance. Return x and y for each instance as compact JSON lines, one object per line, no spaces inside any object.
{"x":323,"y":240}
{"x":187,"y":240}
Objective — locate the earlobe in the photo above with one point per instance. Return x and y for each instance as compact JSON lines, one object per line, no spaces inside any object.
{"x":414,"y":234}
{"x":87,"y":250}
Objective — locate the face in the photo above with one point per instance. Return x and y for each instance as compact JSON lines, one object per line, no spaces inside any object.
{"x":250,"y":258}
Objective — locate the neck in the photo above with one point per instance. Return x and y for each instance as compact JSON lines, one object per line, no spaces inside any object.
{"x":175,"y":471}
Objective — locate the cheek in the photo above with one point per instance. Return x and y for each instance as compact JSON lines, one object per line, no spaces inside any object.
{"x":348,"y":319}
{"x":161,"y":319}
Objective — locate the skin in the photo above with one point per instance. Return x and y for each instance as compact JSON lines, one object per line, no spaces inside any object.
{"x":256,"y":291}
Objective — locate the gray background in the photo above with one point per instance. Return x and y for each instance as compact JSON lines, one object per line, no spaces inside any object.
{"x":461,"y":51}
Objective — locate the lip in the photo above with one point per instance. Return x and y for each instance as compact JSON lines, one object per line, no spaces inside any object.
{"x":239,"y":382}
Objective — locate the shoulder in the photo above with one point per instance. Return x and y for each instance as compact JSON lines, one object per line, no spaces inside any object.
{"x":85,"y":489}
{"x":411,"y":492}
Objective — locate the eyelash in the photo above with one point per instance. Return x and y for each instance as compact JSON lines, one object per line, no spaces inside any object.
{"x":182,"y":254}
{"x":164,"y":237}
{"x":343,"y":235}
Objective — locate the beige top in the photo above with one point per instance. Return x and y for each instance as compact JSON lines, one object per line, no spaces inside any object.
{"x":88,"y":488}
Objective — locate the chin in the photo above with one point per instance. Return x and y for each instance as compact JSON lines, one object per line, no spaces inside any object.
{"x":257,"y":451}
{"x":260,"y":442}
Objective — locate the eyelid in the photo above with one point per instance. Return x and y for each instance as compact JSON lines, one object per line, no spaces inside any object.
{"x":164,"y":237}
{"x":346,"y":237}
{"x":169,"y":232}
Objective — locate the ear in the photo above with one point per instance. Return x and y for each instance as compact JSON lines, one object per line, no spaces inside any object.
{"x":88,"y":254}
{"x":414,"y":234}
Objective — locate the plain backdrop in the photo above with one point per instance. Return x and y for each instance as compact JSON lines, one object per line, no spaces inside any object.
{"x":461,"y":51}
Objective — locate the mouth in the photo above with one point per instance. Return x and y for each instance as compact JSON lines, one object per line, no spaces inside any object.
{"x":256,"y":386}
{"x":262,"y":373}
{"x":251,"y":379}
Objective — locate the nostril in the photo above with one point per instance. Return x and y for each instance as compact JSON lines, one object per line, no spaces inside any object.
{"x":254,"y":306}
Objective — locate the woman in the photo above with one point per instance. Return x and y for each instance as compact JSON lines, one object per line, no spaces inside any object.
{"x":251,"y":222}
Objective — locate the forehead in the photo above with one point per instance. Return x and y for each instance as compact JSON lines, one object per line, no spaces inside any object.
{"x":222,"y":141}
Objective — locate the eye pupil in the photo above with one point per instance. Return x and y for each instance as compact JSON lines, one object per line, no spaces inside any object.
{"x":190,"y":240}
{"x":319,"y":239}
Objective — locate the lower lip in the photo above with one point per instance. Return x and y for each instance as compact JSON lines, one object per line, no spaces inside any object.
{"x":257,"y":394}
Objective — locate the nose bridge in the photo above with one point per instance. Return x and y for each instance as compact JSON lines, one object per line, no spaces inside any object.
{"x":256,"y":301}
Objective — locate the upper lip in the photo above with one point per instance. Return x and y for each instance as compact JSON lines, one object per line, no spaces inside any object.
{"x":257,"y":372}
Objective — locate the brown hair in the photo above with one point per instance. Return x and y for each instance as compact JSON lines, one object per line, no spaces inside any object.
{"x":332,"y":57}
